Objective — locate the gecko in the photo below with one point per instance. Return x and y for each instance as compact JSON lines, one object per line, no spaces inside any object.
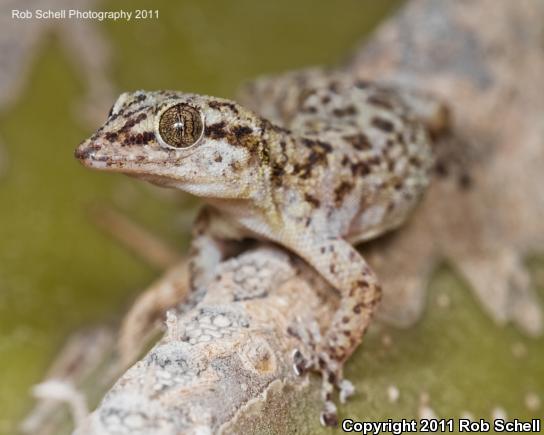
{"x":314,"y":161}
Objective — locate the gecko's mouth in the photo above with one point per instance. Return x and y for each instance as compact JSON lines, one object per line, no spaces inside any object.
{"x":95,"y":154}
{"x":91,"y":154}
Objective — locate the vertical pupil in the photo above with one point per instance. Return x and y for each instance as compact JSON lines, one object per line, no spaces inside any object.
{"x":178,"y":125}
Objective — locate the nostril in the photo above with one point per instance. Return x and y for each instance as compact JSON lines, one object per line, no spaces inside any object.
{"x":85,"y":149}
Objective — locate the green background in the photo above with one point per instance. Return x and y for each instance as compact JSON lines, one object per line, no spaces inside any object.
{"x":58,"y":272}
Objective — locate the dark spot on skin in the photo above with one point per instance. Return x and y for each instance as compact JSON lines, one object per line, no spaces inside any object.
{"x":359,"y":141}
{"x":380,"y":101}
{"x":333,"y":87}
{"x":332,"y":268}
{"x":148,"y":136}
{"x":216,"y":131}
{"x":346,"y":111}
{"x":341,"y":191}
{"x":309,"y":109}
{"x":413,"y":136}
{"x":390,"y":165}
{"x":322,"y":250}
{"x":317,"y":156}
{"x":345,"y":160}
{"x":235,"y":166}
{"x":441,"y":169}
{"x":357,"y":308}
{"x":374,"y":161}
{"x":308,"y":222}
{"x":465,"y":181}
{"x":317,"y":145}
{"x":219,"y":104}
{"x":322,"y":363}
{"x":302,"y":171}
{"x":241,"y":130}
{"x":267,"y":125}
{"x":218,"y":158}
{"x":360,"y":168}
{"x":132,"y":122}
{"x":276,"y":174}
{"x":244,"y":136}
{"x":345,"y":319}
{"x":414,"y":161}
{"x":110,"y":111}
{"x":111,"y":136}
{"x":383,"y":124}
{"x":326,"y":99}
{"x":125,"y":115}
{"x":390,"y":207}
{"x":312,"y":200}
{"x":362,"y":84}
{"x":138,"y":99}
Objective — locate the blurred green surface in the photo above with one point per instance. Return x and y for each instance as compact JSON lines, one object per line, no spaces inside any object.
{"x":58,"y":272}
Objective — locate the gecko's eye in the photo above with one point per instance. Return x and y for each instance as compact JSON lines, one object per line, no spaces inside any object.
{"x":181,"y":126}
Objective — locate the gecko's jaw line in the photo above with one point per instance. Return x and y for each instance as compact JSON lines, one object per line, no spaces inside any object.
{"x":89,"y":156}
{"x":94,"y":156}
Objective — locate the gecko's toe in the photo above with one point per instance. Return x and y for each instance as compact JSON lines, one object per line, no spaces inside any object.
{"x":346,"y":390}
{"x":328,"y":416}
{"x":299,"y":363}
{"x":317,"y":360}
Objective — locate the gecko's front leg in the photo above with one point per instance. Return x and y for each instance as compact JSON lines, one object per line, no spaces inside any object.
{"x":213,"y":239}
{"x":345,"y":269}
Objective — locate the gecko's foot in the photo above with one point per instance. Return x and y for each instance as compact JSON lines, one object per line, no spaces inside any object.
{"x":320,"y":362}
{"x":332,"y":378}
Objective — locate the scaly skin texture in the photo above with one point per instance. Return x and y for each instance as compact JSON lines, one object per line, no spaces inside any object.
{"x":335,"y":162}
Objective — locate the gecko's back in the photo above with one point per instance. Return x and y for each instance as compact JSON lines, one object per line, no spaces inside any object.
{"x":380,"y":153}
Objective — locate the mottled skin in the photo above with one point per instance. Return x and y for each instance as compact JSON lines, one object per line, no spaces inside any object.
{"x":334,"y":162}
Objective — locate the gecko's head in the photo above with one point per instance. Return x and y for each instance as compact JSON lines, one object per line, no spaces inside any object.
{"x":204,"y":145}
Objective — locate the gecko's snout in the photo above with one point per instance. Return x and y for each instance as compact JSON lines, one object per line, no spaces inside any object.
{"x":86,"y":153}
{"x":83,"y":151}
